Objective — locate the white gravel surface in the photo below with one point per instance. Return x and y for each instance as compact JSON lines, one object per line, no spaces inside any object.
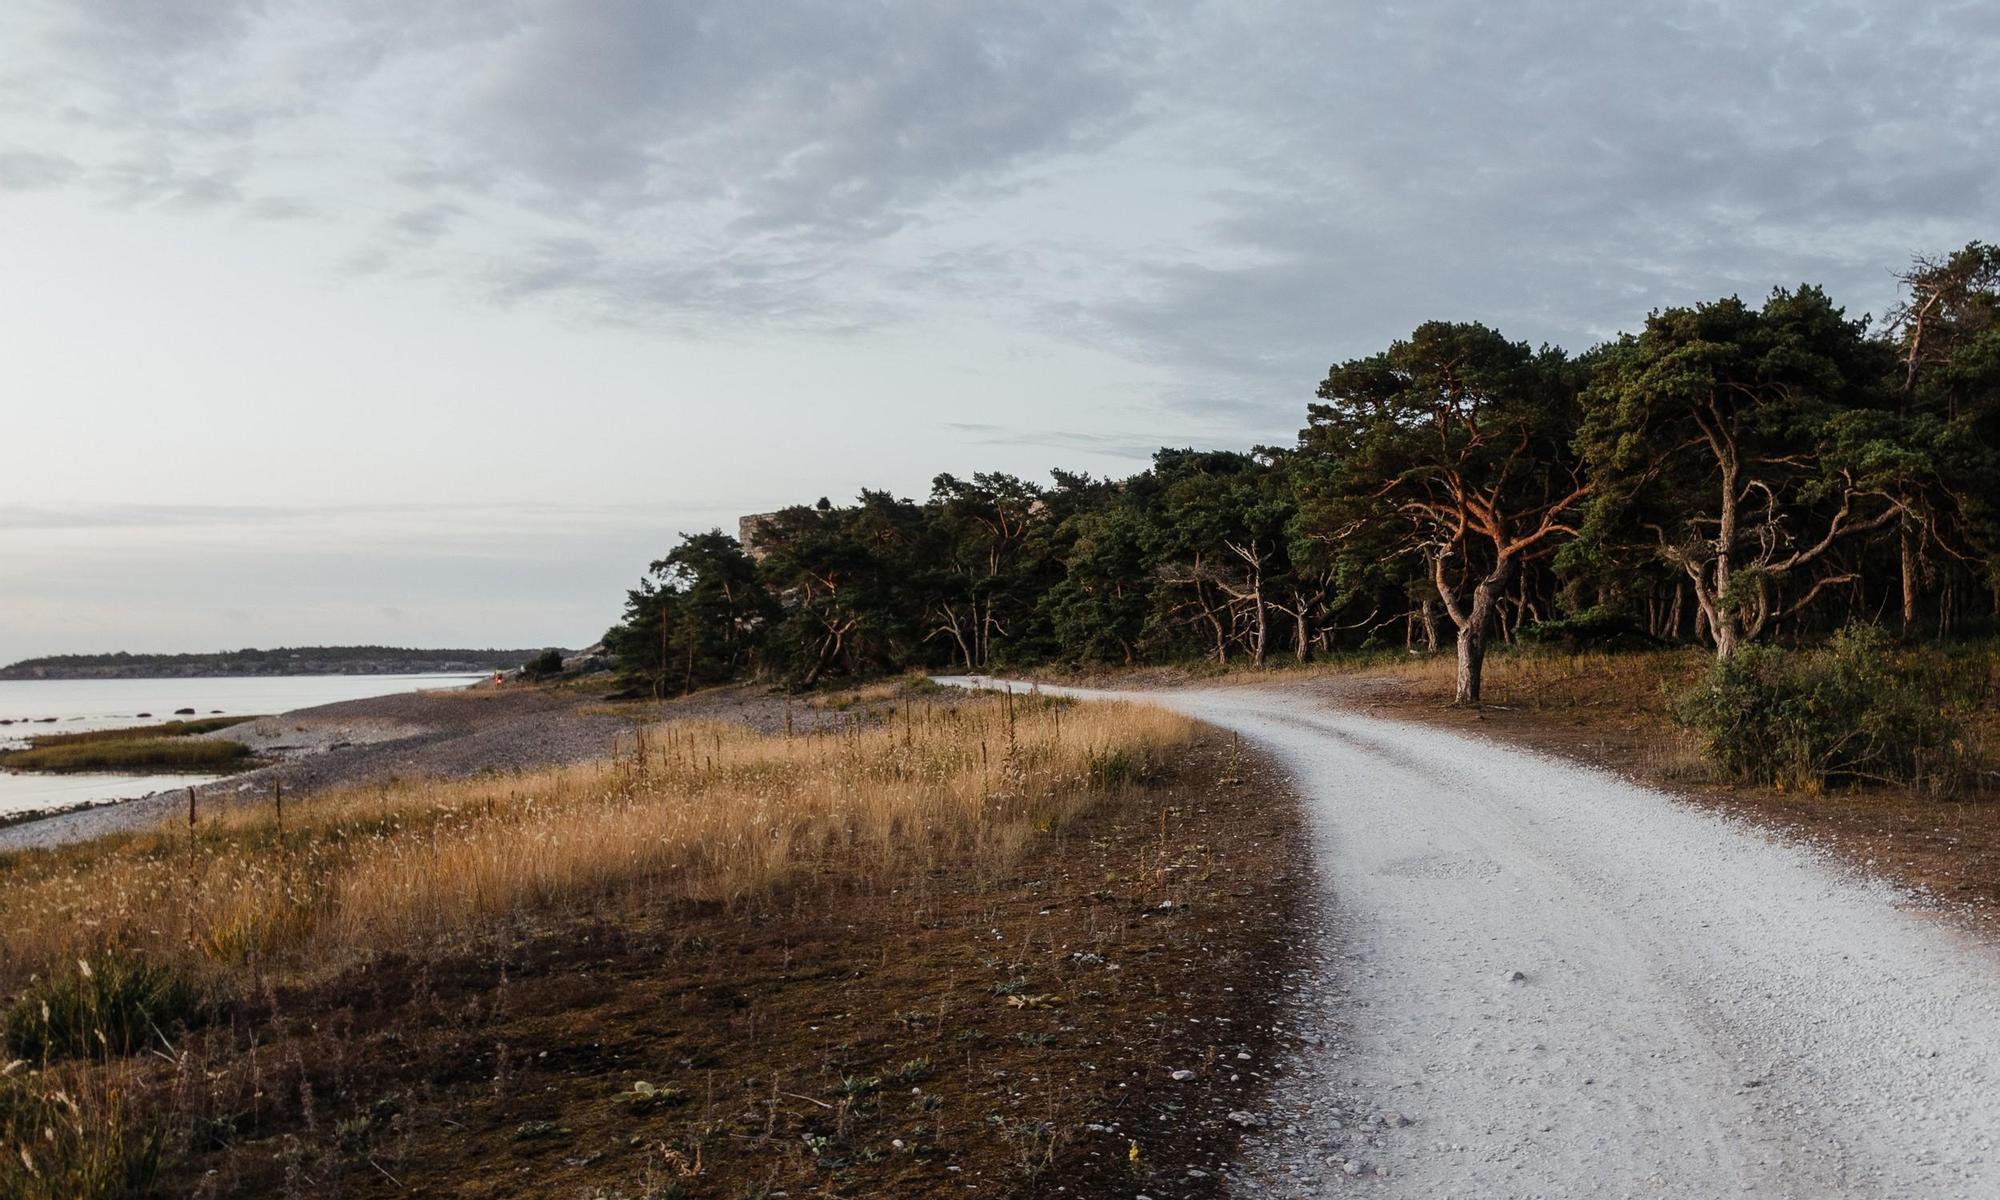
{"x":1540,"y":980}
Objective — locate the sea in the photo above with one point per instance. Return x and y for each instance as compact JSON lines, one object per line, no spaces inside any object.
{"x":41,"y":706}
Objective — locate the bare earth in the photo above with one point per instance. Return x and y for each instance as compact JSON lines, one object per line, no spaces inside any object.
{"x":1542,"y":980}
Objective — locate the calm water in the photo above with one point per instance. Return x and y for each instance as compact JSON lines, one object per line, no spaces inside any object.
{"x":82,"y":704}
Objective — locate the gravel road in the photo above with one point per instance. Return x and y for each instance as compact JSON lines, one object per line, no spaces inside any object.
{"x":1541,"y":980}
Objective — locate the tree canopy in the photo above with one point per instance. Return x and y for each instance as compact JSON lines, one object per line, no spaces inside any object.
{"x":1730,"y":472}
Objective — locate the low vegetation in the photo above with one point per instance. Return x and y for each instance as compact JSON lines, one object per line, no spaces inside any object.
{"x":337,"y":944}
{"x":170,"y":746}
{"x":165,"y":729}
{"x":1857,"y":710}
{"x":76,"y":1134}
{"x":710,"y":813}
{"x":116,"y":1006}
{"x":546,"y":665}
{"x":129,"y":754}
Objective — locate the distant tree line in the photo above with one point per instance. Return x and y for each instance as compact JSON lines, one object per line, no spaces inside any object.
{"x":1730,"y":473}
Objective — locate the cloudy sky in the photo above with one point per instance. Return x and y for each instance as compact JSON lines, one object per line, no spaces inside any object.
{"x":432,"y":323}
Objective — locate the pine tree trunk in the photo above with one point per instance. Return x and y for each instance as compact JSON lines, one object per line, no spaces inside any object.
{"x":1471,"y":660}
{"x":1724,"y":628}
{"x":1263,"y":627}
{"x":1723,"y":618}
{"x":1472,"y":642}
{"x":1908,"y":546}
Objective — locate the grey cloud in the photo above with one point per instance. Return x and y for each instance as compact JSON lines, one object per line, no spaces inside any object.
{"x":154,"y":180}
{"x":1323,"y":176}
{"x":835,"y":120}
{"x":278,"y":208}
{"x":402,"y":235}
{"x":1558,"y":171}
{"x":1131,"y":446}
{"x":426,"y":223}
{"x":138,"y":31}
{"x":650,"y":289}
{"x":27,"y":170}
{"x":729,"y":157}
{"x":735,"y":168}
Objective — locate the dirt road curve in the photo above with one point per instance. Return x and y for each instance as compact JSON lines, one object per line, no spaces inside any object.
{"x":1700,"y":1009}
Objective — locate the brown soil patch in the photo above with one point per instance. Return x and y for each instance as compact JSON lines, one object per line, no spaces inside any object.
{"x":1012,"y":1037}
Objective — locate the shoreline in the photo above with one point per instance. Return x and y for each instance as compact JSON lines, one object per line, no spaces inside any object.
{"x":277,"y":663}
{"x":442,"y":733}
{"x":309,"y":749}
{"x":102,"y":710}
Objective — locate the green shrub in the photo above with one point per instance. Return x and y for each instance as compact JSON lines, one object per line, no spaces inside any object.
{"x":1854,"y":710}
{"x":110,"y":1007}
{"x":542,"y":666}
{"x":1601,"y":628}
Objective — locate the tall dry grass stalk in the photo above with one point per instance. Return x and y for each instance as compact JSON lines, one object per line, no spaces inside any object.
{"x":697,"y":812}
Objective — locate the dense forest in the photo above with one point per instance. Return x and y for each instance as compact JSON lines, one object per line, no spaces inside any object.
{"x":1730,"y":473}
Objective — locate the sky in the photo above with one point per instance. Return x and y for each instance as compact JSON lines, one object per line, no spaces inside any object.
{"x":433,"y":324}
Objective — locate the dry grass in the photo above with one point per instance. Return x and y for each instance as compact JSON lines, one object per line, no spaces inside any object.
{"x":166,"y":729}
{"x":696,"y":812}
{"x":1546,"y":679}
{"x":703,"y":820}
{"x":825,"y":1039}
{"x":73,"y":1134}
{"x":171,"y":746}
{"x":129,"y":754}
{"x":868,"y":694}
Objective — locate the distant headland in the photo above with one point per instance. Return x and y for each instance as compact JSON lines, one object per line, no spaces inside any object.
{"x":283,"y":660}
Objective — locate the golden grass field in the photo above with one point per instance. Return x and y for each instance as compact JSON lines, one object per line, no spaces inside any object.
{"x":697,"y":812}
{"x":250,"y":902}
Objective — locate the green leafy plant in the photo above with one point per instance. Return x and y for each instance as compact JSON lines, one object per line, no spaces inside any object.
{"x":1854,"y":710}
